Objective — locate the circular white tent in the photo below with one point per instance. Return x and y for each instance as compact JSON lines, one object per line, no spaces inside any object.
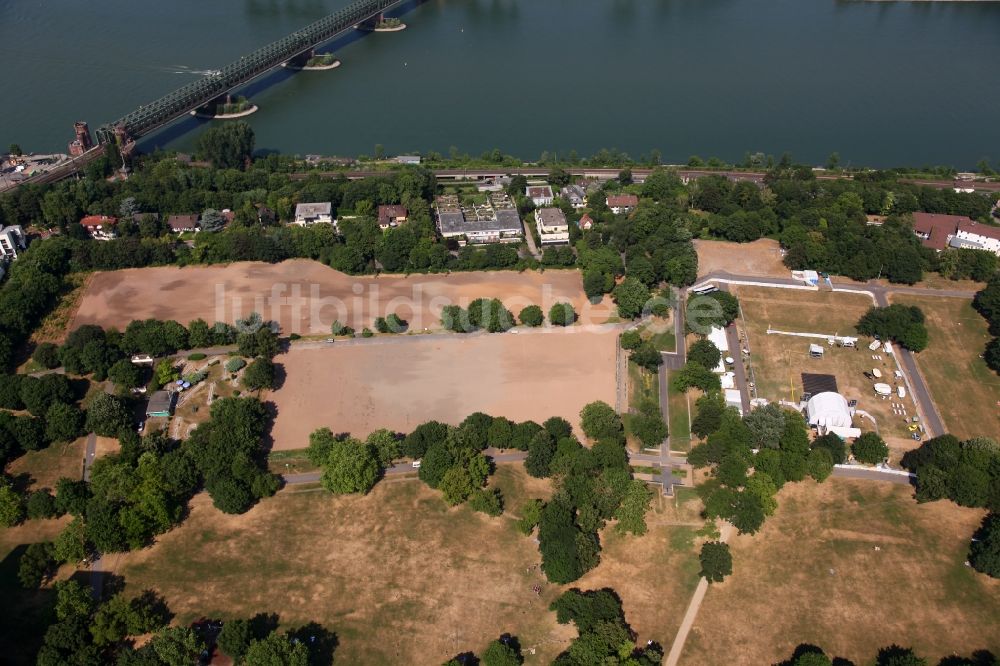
{"x":828,"y":410}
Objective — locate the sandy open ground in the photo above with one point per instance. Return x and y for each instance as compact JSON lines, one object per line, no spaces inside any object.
{"x":760,"y":258}
{"x":400,"y":382}
{"x":305,"y":296}
{"x":850,"y":566}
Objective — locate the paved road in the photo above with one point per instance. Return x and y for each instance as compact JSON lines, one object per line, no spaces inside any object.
{"x":88,"y":455}
{"x":880,"y":295}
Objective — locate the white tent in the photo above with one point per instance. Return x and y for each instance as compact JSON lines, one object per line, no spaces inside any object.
{"x":828,"y":410}
{"x":717,"y":336}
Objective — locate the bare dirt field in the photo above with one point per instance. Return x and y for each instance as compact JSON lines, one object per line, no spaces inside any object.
{"x":779,"y":360}
{"x":306,"y":297}
{"x":953,"y":366}
{"x":760,"y":258}
{"x":399,"y":576}
{"x":400,"y":382}
{"x":813,"y":575}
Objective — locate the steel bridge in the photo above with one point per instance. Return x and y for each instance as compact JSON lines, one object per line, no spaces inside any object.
{"x":154,"y":115}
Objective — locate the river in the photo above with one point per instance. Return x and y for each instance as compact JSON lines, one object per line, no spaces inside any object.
{"x":882,"y":83}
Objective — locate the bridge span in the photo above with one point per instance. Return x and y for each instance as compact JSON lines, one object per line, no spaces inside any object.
{"x":152,"y":116}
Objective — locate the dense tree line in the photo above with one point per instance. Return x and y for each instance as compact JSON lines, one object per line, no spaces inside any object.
{"x":88,"y":632}
{"x":53,"y":413}
{"x":987,"y":303}
{"x":893,"y":655}
{"x":824,"y":224}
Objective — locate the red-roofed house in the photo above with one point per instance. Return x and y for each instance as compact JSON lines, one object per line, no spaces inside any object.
{"x":586,"y":222}
{"x":391,"y":216}
{"x":622,"y":203}
{"x":100,"y":227}
{"x":936,"y":230}
{"x":181,"y":223}
{"x":540,"y":195}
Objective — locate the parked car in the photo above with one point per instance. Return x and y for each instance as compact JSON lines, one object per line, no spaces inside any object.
{"x":415,"y":464}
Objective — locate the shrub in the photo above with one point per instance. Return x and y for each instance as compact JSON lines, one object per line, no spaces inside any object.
{"x":367,"y":333}
{"x":870,"y":448}
{"x":197,"y":356}
{"x":488,"y":501}
{"x":235,"y":364}
{"x":631,"y":340}
{"x":47,"y":355}
{"x":532,"y":316}
{"x":562,"y":314}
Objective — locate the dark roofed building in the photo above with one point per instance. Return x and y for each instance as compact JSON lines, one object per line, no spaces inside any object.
{"x":181,"y":223}
{"x":161,"y":403}
{"x":622,"y":203}
{"x":391,"y":215}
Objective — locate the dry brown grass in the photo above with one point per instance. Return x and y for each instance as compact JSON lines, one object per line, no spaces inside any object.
{"x":916,"y":590}
{"x":760,"y":258}
{"x":55,"y":325}
{"x":306,"y":296}
{"x":953,"y":366}
{"x":779,"y":360}
{"x":396,"y":574}
{"x":48,"y":465}
{"x":399,"y":383}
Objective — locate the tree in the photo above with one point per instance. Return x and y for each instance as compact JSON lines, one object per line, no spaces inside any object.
{"x":277,"y":650}
{"x":648,"y":424}
{"x":600,"y":421}
{"x":11,"y":504}
{"x":562,"y":314}
{"x":41,"y":505}
{"x":415,"y":444}
{"x":705,"y":352}
{"x":71,"y":543}
{"x":72,"y":496}
{"x":37,"y":563}
{"x":820,"y":464}
{"x":709,"y":416}
{"x":719,"y":309}
{"x":870,"y":448}
{"x":259,"y":374}
{"x":487,"y":500}
{"x":457,"y":485}
{"x":716,"y":561}
{"x":352,"y":467}
{"x":631,"y":339}
{"x":227,"y":146}
{"x":834,"y":445}
{"x":234,"y":639}
{"x":63,"y":423}
{"x":984,"y":551}
{"x":766,"y":425}
{"x":177,"y":646}
{"x":748,"y":513}
{"x":541,"y":451}
{"x":386,"y":445}
{"x":631,"y":513}
{"x":694,"y":374}
{"x":895,"y":655}
{"x":46,"y":355}
{"x":531,"y":513}
{"x":646,"y":356}
{"x":502,"y":653}
{"x":902,"y":323}
{"x":631,"y":297}
{"x":108,"y":416}
{"x":125,"y":375}
{"x":531,"y":316}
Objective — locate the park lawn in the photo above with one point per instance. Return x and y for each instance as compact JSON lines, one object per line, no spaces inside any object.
{"x":965,"y":390}
{"x":680,"y":417}
{"x":778,"y":361}
{"x":812,"y":575}
{"x":399,"y":576}
{"x":46,"y":466}
{"x":291,"y":461}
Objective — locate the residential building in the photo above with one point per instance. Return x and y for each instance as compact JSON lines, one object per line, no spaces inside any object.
{"x":495,"y":222}
{"x":307,"y":214}
{"x":391,"y":216}
{"x":957,"y":231}
{"x":977,"y":236}
{"x":575,"y":195}
{"x":586,"y":222}
{"x":100,"y":227}
{"x":11,"y":241}
{"x":622,"y":203}
{"x":552,"y":226}
{"x":181,"y":223}
{"x":540,"y":195}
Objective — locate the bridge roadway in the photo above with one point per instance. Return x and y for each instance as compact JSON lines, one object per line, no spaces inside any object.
{"x":168,"y":108}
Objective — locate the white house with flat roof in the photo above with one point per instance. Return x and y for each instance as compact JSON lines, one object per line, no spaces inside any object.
{"x":552,"y":226}
{"x":11,"y":241}
{"x":308,"y":214}
{"x":540,"y":195}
